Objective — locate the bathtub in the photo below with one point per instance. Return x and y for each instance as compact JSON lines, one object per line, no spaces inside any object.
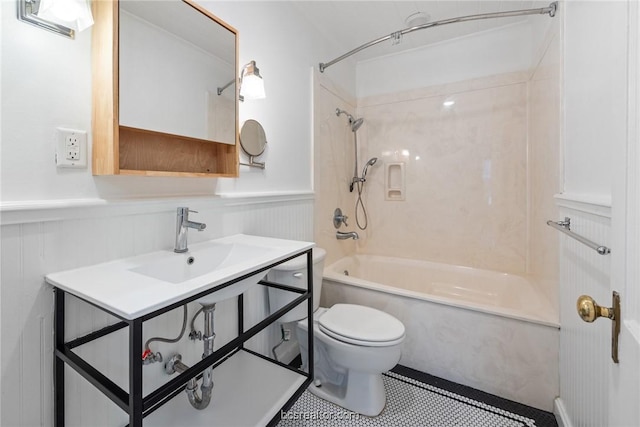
{"x":488,"y":330}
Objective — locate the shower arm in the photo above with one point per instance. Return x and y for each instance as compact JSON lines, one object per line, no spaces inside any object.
{"x":550,"y":10}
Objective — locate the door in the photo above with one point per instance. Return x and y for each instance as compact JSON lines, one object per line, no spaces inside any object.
{"x":624,"y":377}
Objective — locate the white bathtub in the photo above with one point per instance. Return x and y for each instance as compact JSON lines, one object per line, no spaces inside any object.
{"x":485,"y":329}
{"x":470,"y":288}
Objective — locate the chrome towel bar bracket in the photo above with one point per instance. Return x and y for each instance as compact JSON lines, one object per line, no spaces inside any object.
{"x":565,"y":227}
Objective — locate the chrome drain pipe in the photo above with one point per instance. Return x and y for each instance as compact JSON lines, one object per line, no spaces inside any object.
{"x":198,"y":401}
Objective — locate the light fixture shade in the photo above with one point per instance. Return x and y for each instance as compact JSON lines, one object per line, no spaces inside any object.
{"x":252,"y":87}
{"x":74,"y":14}
{"x":251,"y":83}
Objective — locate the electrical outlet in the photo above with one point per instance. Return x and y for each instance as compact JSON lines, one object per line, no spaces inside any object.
{"x":71,"y":148}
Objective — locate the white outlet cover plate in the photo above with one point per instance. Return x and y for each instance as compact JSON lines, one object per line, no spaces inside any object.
{"x":66,"y":137}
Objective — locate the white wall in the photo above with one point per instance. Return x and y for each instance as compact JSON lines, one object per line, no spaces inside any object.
{"x":595,"y":90}
{"x":497,"y":51}
{"x":584,"y":348}
{"x":285,"y":47}
{"x":46,"y":83}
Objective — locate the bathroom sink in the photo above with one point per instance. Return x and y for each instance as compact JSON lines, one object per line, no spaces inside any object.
{"x":136,"y":286}
{"x":178,"y":268}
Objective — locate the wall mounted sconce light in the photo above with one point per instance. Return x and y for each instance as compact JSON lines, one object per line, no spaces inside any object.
{"x":251,"y":83}
{"x":63,"y":17}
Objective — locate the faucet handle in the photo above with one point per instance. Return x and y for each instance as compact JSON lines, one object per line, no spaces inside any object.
{"x":183,"y":210}
{"x":339,"y":218}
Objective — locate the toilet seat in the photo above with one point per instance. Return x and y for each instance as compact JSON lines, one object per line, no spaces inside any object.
{"x":360,"y":325}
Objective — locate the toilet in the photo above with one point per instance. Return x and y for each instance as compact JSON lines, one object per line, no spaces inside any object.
{"x":353,"y":344}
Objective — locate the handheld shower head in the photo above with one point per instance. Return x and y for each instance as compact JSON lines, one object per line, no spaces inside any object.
{"x":371,"y":162}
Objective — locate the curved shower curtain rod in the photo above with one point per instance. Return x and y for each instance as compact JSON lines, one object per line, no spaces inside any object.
{"x":551,"y":10}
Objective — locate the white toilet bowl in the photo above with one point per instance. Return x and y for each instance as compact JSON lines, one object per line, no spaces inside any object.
{"x":349,"y":374}
{"x":353,"y":344}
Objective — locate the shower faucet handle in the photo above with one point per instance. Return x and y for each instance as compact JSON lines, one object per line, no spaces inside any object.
{"x":339,"y":219}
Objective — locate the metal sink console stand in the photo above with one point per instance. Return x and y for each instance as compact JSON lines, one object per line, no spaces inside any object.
{"x":134,"y":403}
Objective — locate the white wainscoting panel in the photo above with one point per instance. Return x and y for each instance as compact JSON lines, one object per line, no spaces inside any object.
{"x":34,"y":248}
{"x":585,"y":354}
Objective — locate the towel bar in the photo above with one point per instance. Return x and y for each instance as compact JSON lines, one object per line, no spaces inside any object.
{"x":565,"y":227}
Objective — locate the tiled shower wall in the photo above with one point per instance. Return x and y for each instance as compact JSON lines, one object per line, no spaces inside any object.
{"x":465,"y":173}
{"x":544,"y":168}
{"x":333,"y":166}
{"x":35,"y":243}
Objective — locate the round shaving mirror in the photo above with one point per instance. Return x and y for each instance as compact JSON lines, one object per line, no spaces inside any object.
{"x":253,"y":140}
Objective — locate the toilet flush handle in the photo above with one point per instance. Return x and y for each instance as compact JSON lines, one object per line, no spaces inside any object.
{"x":297,"y":275}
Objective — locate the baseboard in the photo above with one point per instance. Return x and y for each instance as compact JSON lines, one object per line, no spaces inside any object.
{"x":562,"y":417}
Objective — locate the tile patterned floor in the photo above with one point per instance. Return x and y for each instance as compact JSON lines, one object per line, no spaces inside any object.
{"x":418,"y":399}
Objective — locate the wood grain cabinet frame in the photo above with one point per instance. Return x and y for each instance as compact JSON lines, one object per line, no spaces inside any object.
{"x":121,"y":150}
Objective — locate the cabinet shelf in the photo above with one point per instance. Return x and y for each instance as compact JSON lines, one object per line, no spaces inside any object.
{"x":151,"y":153}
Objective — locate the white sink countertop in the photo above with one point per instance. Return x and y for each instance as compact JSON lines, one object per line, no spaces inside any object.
{"x":135,"y":286}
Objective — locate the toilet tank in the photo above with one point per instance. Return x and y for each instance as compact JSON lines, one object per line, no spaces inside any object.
{"x":294,"y":273}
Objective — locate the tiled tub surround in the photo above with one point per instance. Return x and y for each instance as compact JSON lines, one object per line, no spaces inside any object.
{"x":483,"y":329}
{"x":466,"y":173}
{"x":544,"y":169}
{"x":333,"y":151}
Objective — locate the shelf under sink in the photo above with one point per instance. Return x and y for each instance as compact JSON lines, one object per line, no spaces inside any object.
{"x":248,"y":391}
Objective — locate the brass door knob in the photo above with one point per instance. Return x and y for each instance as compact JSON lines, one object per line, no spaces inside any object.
{"x":589,"y":310}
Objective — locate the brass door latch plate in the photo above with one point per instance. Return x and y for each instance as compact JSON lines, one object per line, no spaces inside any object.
{"x":589,"y":311}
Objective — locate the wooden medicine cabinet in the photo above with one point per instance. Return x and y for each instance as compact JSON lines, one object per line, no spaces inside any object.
{"x":157,"y":110}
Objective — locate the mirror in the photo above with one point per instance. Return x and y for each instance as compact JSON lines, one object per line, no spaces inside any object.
{"x":253,"y":141}
{"x":173,"y":57}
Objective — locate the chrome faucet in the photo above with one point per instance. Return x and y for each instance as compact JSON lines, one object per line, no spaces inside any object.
{"x":182,"y":227}
{"x":349,"y":235}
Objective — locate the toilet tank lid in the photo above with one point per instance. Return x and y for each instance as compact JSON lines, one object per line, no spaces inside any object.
{"x":300,"y":262}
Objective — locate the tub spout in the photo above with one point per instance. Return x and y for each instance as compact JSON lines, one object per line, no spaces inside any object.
{"x":349,"y":235}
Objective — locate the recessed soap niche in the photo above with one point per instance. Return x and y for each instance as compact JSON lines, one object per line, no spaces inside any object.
{"x":394,"y":181}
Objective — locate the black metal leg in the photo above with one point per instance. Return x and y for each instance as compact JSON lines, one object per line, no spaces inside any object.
{"x":135,"y":373}
{"x":58,"y":364}
{"x":241,"y":317}
{"x":310,"y":313}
